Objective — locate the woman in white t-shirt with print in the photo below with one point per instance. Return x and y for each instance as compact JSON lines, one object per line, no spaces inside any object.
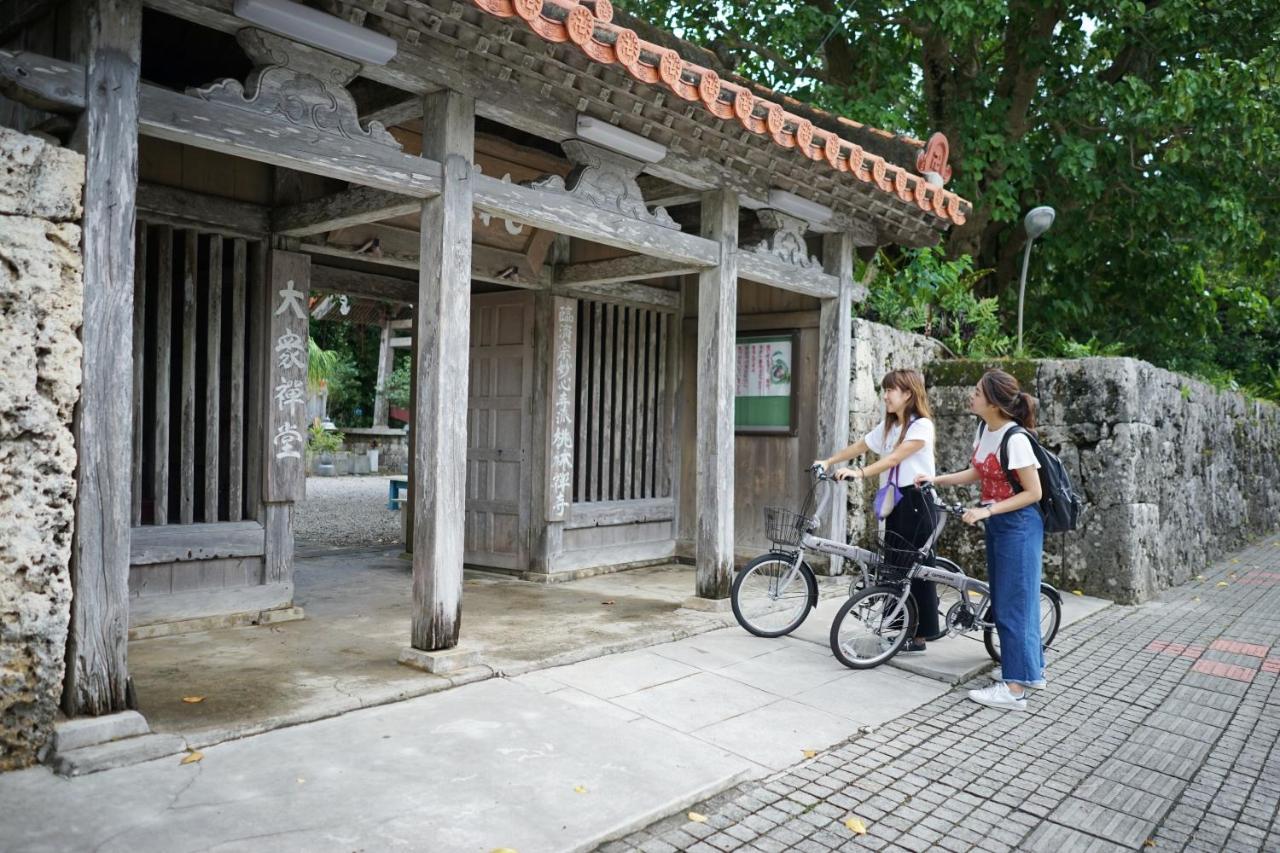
{"x":912,"y":519}
{"x":1014,"y":533}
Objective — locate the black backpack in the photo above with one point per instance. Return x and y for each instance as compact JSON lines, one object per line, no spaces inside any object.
{"x":1059,"y":504}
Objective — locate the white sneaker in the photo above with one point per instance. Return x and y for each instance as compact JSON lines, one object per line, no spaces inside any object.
{"x":999,"y":696}
{"x":997,"y":675}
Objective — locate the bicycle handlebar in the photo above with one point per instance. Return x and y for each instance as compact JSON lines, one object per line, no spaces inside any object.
{"x":957,"y":510}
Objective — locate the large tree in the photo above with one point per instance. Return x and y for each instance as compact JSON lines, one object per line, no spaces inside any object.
{"x":1152,"y":127}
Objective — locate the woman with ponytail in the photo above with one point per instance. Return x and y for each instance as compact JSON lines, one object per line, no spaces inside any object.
{"x":904,"y":443}
{"x":1014,"y":532}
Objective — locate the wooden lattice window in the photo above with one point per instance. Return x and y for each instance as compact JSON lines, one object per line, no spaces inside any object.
{"x":191,"y":359}
{"x":623,"y":403}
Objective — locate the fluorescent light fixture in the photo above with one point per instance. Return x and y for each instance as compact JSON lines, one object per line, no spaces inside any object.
{"x":616,"y":139}
{"x":317,"y":29}
{"x":808,"y":210}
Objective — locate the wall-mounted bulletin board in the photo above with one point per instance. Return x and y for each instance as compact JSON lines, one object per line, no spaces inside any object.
{"x":765,"y":395}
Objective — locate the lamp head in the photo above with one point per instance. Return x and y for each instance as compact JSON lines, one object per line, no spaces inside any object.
{"x":1038,"y":221}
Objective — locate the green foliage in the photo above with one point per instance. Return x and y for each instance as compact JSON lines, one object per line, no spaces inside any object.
{"x":398,"y":385}
{"x":924,"y":292}
{"x":321,"y":441}
{"x":1153,"y":128}
{"x":352,"y":369}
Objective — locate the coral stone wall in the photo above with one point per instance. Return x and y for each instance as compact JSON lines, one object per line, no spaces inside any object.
{"x":1173,"y":471}
{"x":40,"y":356}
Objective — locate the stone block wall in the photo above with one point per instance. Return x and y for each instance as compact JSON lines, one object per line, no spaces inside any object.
{"x":1174,"y":473}
{"x":40,"y":312}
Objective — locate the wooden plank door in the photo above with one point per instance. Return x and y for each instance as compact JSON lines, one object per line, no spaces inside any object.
{"x":498,"y":430}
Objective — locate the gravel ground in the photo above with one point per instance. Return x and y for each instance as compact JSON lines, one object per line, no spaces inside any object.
{"x":343,"y":511}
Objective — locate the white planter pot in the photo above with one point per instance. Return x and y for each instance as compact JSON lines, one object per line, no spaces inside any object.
{"x":373,"y":460}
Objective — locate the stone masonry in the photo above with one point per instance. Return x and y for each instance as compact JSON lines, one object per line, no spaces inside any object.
{"x":1173,"y":471}
{"x":40,"y":313}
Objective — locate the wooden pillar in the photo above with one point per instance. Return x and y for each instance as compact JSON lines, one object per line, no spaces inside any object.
{"x":386,"y":364}
{"x":835,"y":332}
{"x":97,"y":679}
{"x":443,"y":340}
{"x":717,"y":326}
{"x":284,"y":398}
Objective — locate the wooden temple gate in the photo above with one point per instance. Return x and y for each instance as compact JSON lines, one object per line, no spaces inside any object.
{"x":372,"y":189}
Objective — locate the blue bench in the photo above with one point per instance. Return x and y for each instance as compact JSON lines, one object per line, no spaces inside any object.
{"x":394,"y":487}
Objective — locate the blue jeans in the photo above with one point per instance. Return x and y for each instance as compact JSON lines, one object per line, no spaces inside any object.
{"x":1015,"y":545}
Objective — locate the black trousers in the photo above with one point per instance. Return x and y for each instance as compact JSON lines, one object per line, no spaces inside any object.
{"x":912,"y":521}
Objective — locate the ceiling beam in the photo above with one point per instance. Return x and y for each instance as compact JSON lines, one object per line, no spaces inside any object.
{"x":629,"y":268}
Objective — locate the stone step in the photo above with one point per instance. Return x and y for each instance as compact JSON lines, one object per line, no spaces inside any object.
{"x":75,"y":734}
{"x":116,"y":753}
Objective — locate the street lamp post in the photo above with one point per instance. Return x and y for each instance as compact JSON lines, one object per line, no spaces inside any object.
{"x":1036,"y":223}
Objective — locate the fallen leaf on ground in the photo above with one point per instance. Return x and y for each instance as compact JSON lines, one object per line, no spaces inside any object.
{"x":1150,"y":842}
{"x":1077,"y":592}
{"x":1199,"y":577}
{"x":503,"y":850}
{"x":697,"y":818}
{"x":192,"y":700}
{"x":301,"y":781}
{"x":856,"y":826}
{"x":810,"y":753}
{"x":192,"y":757}
{"x":1197,"y":598}
{"x":607,"y":603}
{"x":580,"y":790}
{"x":1222,"y":583}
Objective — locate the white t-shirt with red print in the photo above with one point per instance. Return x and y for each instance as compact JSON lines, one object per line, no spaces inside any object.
{"x":986,"y":460}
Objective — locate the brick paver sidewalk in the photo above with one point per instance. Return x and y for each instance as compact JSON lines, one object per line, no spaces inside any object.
{"x":1158,"y":730}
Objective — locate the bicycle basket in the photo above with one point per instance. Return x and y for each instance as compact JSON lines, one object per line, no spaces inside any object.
{"x":785,"y":527}
{"x":895,"y":558}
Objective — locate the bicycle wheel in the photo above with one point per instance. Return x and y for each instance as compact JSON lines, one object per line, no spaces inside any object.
{"x":948,"y":596}
{"x":1050,"y":619}
{"x":770,"y":599}
{"x":866,"y":633}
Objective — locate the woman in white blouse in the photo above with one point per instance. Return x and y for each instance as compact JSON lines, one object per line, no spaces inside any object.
{"x":910,"y":452}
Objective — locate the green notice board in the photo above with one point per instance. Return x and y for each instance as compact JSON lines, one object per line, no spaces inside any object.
{"x":764,"y":395}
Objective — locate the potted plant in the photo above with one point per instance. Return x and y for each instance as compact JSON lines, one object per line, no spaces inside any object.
{"x":323,"y":444}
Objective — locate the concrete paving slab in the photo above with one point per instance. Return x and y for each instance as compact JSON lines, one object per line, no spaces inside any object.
{"x":697,"y":701}
{"x":786,"y":671}
{"x":718,"y":649}
{"x":617,"y":675}
{"x":490,"y":765}
{"x":778,"y":734}
{"x":872,"y":696}
{"x":587,"y":702}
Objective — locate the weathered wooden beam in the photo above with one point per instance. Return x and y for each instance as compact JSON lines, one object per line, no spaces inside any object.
{"x":187,"y":402}
{"x":835,"y":343}
{"x":358,"y":283}
{"x":442,"y":356}
{"x":401,"y":343}
{"x":186,"y":209}
{"x":213,"y":380}
{"x":97,"y":675}
{"x":629,"y":268}
{"x":176,"y":543}
{"x":192,"y":121}
{"x":638,"y":295}
{"x":488,"y":263}
{"x":775,"y":272}
{"x":355,"y":206}
{"x":564,"y":214}
{"x":236,"y":393}
{"x":139,"y":373}
{"x":717,"y":313}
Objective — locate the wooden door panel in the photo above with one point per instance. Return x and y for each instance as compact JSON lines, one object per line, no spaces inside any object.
{"x":499,"y":415}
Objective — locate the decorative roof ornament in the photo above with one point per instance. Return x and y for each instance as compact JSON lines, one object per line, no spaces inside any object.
{"x":934,"y":158}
